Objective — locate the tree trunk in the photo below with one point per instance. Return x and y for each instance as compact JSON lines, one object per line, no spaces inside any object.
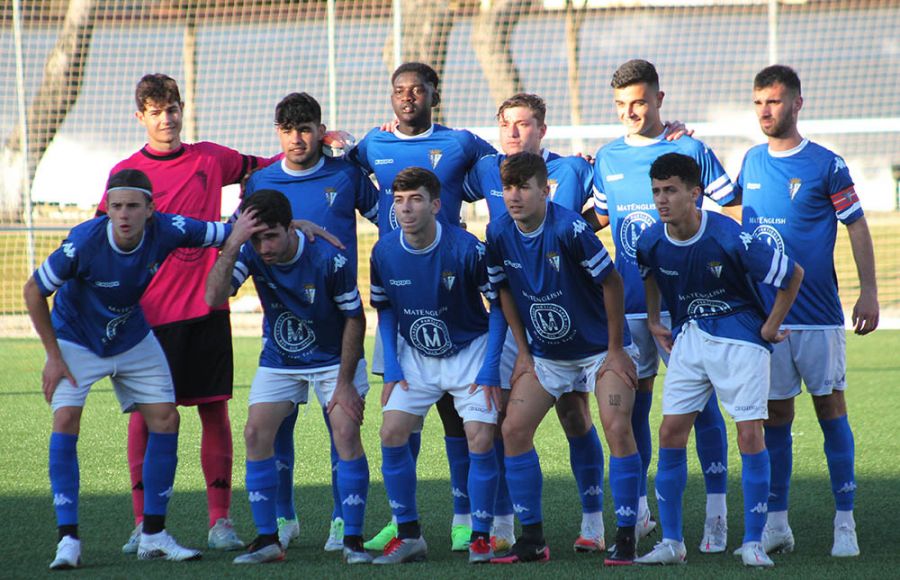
{"x":491,"y":34}
{"x":60,"y":86}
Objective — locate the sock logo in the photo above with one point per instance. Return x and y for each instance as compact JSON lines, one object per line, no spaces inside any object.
{"x":659,"y":496}
{"x":353,"y":499}
{"x":847,"y":487}
{"x":396,"y":505}
{"x":481,"y":514}
{"x":60,"y":499}
{"x":255,"y":496}
{"x":167,"y":493}
{"x":625,"y":511}
{"x":760,"y":508}
{"x":280,"y":466}
{"x":593,"y":490}
{"x":716,"y":468}
{"x":458,"y":493}
{"x":518,"y":508}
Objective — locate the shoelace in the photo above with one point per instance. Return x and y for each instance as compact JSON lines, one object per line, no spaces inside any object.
{"x":393,"y":546}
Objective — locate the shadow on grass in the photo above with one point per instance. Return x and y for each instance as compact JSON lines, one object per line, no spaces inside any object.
{"x":28,"y":536}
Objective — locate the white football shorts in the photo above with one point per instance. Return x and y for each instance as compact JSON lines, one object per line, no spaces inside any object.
{"x":818,"y":357}
{"x":274,"y":385}
{"x":559,"y":377}
{"x":649,"y":349}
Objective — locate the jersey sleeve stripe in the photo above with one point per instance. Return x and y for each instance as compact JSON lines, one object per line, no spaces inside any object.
{"x":239,"y":274}
{"x":215,"y":234}
{"x":599,"y":268}
{"x":496,"y":278}
{"x":782,"y":271}
{"x":773,"y":268}
{"x":722,"y":192}
{"x":348,"y":296}
{"x":590,"y":263}
{"x":848,"y":212}
{"x":600,"y":203}
{"x":350,"y":306}
{"x":372,"y":214}
{"x":48,"y":278}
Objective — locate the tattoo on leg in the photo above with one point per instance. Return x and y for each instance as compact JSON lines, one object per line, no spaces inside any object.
{"x":615,"y":400}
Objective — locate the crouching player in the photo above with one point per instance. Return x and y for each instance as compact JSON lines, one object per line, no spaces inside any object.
{"x":312,"y":338}
{"x":97,"y":329}
{"x":427,"y":282}
{"x":705,"y":268}
{"x":559,"y":284}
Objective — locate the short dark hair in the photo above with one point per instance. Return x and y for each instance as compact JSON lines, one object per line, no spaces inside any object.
{"x":272,"y":207}
{"x":412,"y":178}
{"x":775,"y":74}
{"x":676,"y":165}
{"x":297,"y":109}
{"x":425,"y":72}
{"x":633,"y":72}
{"x":131,"y":179}
{"x":518,"y":168}
{"x":527,"y":100}
{"x":156,"y":88}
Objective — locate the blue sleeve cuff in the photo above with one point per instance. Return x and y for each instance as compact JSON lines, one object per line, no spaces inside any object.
{"x":387,"y":328}
{"x":490,"y":369}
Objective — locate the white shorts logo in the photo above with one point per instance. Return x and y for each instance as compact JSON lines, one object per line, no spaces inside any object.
{"x":551,"y":322}
{"x":702,"y":307}
{"x":430,"y":336}
{"x":770,"y":236}
{"x":632,"y":228}
{"x":292,"y":334}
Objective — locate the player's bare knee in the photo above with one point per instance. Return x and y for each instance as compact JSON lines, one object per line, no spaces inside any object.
{"x":161,"y":417}
{"x":393,"y":435}
{"x":750,"y":436}
{"x":67,"y":420}
{"x":781,"y":412}
{"x":517,"y":438}
{"x":673,"y":432}
{"x":479,"y":436}
{"x":575,"y":419}
{"x":830,"y":406}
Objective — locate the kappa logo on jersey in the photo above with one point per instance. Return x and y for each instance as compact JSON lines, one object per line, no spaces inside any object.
{"x":447,"y":279}
{"x":393,"y":282}
{"x":553,"y":258}
{"x":102,"y":284}
{"x":435,"y":156}
{"x":632,"y":228}
{"x":839,"y":164}
{"x":354,"y":499}
{"x":578,"y":227}
{"x":167,"y":493}
{"x":153,"y":268}
{"x":60,"y":499}
{"x":847,"y":487}
{"x":309,"y":290}
{"x":178,"y":222}
{"x":515,"y":265}
{"x":339,"y":262}
{"x":519,"y":508}
{"x":760,"y":508}
{"x":292,"y":334}
{"x":384,"y":162}
{"x":703,"y":307}
{"x":554,"y":185}
{"x":625,"y":511}
{"x":716,"y":467}
{"x":754,"y":185}
{"x":456,"y":492}
{"x":794,"y":186}
{"x":330,"y":195}
{"x":768,"y":234}
{"x":668,"y":272}
{"x":550,"y":321}
{"x":593,"y":490}
{"x":715,"y":268}
{"x":496,"y":193}
{"x":614,"y":177}
{"x":430,"y":336}
{"x":256,"y":496}
{"x":69,"y":250}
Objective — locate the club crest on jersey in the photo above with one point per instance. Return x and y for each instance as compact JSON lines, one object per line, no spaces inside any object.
{"x":632,"y":228}
{"x":291,"y":334}
{"x":430,"y":336}
{"x":794,"y":186}
{"x":554,"y":185}
{"x":553,"y":258}
{"x":435,"y":156}
{"x":703,"y":307}
{"x":309,"y":290}
{"x":448,"y":278}
{"x":330,"y":195}
{"x":771,"y":236}
{"x":715,"y":268}
{"x":550,"y":321}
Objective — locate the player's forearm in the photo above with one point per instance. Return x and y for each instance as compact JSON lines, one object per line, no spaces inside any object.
{"x":39,"y":312}
{"x":590,"y":216}
{"x":602,"y":220}
{"x":387,"y":329}
{"x":218,"y":282}
{"x":351,"y":348}
{"x":864,"y":255}
{"x":651,"y":293}
{"x":614,"y":304}
{"x":508,"y":304}
{"x":784,"y":299}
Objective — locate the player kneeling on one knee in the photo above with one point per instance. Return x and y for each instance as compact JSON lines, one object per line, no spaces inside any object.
{"x":313,"y":338}
{"x":706,"y":270}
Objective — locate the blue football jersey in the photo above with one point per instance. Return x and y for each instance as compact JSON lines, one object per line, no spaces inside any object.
{"x":98,"y":286}
{"x":305,"y":303}
{"x":711,"y":278}
{"x":449,"y":153}
{"x":623,"y":192}
{"x":435,"y":292}
{"x":571,"y":181}
{"x":793,"y":201}
{"x":328,"y":194}
{"x":554,"y":275}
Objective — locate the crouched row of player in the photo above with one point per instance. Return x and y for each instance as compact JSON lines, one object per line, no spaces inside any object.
{"x":559,"y":292}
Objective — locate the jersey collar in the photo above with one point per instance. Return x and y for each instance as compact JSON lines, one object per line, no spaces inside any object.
{"x":146,"y":151}
{"x":693,"y":238}
{"x":791,"y":151}
{"x":428,"y":248}
{"x":115,"y":247}
{"x":646,"y":142}
{"x":301,"y":244}
{"x":424,"y":135}
{"x":539,"y":230}
{"x":303,"y":172}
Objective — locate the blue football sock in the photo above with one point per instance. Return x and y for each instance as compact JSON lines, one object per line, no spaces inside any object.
{"x":586,"y":460}
{"x":624,"y":476}
{"x":640,"y":425}
{"x":712,"y":446}
{"x":502,"y":504}
{"x":353,"y":482}
{"x":458,"y":458}
{"x":337,"y":510}
{"x":671,"y":479}
{"x":483,"y":484}
{"x":755,"y":481}
{"x":160,"y":461}
{"x":839,"y":451}
{"x":262,"y":486}
{"x":779,"y":444}
{"x":64,"y":477}
{"x":399,"y":474}
{"x":284,"y":463}
{"x":525,"y":481}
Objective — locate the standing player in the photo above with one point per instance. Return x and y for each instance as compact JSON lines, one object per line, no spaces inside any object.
{"x":623,"y":197}
{"x":97,"y":329}
{"x":188,"y":180}
{"x":313,"y":338}
{"x":705,"y":269}
{"x":522,"y":127}
{"x":328,"y":192}
{"x":559,"y":285}
{"x":450,"y":154}
{"x":794,"y":193}
{"x":427,"y":282}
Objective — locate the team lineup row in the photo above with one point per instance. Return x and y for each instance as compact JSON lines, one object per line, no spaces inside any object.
{"x":724,"y":302}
